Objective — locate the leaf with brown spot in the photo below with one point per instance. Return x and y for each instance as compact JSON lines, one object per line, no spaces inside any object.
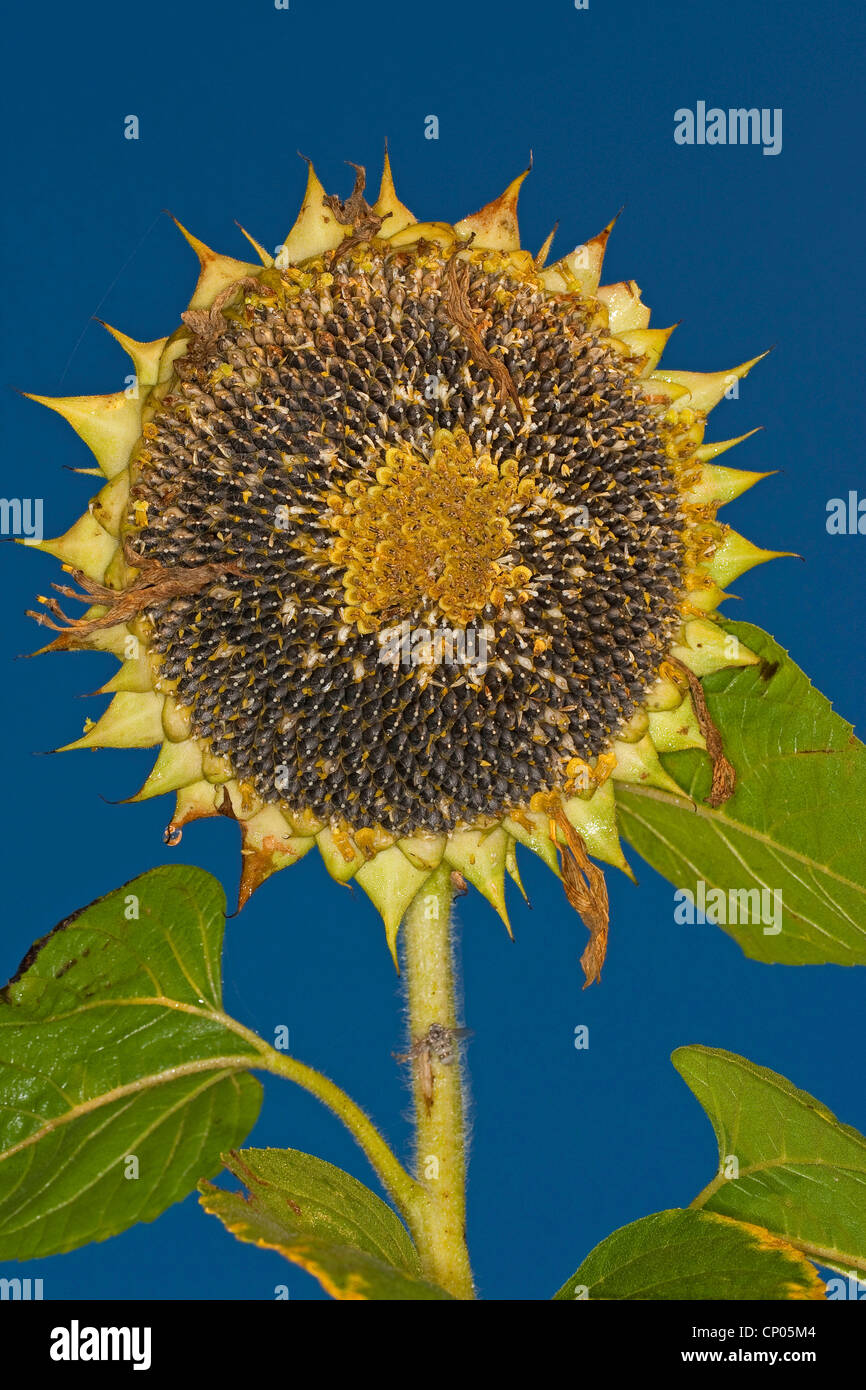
{"x":323,"y":1220}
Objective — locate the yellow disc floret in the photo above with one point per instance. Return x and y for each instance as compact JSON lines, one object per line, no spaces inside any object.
{"x":431,"y":529}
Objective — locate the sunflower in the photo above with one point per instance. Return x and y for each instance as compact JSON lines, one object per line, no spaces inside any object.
{"x":408,"y":548}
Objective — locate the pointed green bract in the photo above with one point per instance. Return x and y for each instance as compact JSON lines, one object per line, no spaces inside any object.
{"x":594,"y":819}
{"x":216,"y":272}
{"x":717,"y":484}
{"x":109,"y":425}
{"x":625,"y":309}
{"x":707,"y":648}
{"x":134,"y":674}
{"x":86,"y":546}
{"x":480,"y":857}
{"x":341,"y":863}
{"x":110,"y":505}
{"x":132,"y":720}
{"x":178,"y":765}
{"x":639,"y":763}
{"x":648,"y":343}
{"x":535,"y":835}
{"x":705,"y":452}
{"x":424,"y":851}
{"x":672,"y":730}
{"x":494,"y":227}
{"x":316,"y":229}
{"x":146,"y":357}
{"x":705,"y":389}
{"x":512,"y":868}
{"x":736,"y":555}
{"x":391,"y":882}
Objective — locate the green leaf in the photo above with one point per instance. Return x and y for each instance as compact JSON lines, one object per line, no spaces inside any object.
{"x":692,"y":1254}
{"x":795,"y":1169}
{"x":795,"y":823}
{"x":121,"y":1082}
{"x":323,"y":1220}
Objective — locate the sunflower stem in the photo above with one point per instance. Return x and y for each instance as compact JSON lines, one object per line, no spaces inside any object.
{"x":438,"y":1219}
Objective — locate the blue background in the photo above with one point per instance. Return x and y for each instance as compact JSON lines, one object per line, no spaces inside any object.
{"x":747,"y":250}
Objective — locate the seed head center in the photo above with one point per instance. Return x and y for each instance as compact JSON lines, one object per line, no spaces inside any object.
{"x":428,"y":528}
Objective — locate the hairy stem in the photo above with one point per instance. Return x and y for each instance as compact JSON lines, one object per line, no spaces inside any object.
{"x":405,"y":1191}
{"x":438,"y":1219}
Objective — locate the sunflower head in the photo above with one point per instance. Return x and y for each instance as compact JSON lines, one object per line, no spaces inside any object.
{"x":409,"y":550}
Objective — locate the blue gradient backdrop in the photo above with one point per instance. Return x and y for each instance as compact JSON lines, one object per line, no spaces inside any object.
{"x":747,"y":250}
